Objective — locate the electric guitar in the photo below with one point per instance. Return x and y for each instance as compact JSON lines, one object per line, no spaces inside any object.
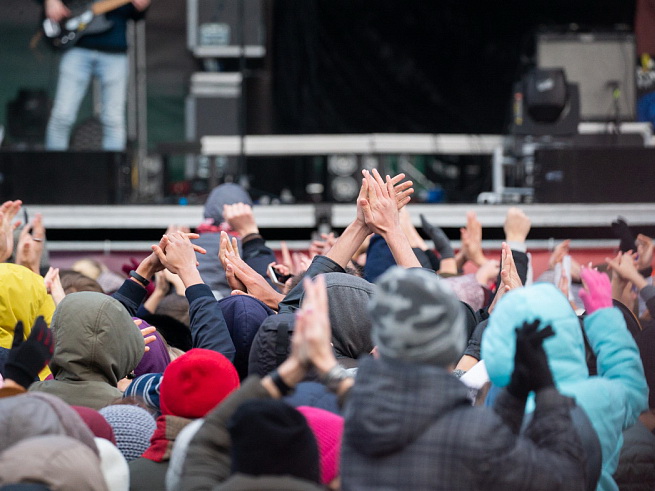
{"x":86,"y":18}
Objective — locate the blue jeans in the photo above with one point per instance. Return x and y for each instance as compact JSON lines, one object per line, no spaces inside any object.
{"x":76,"y":68}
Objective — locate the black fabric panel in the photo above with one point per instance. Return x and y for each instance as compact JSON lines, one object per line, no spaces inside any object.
{"x":344,"y":66}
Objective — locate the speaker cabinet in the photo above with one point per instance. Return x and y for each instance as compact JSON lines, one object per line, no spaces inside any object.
{"x":602,"y":64}
{"x":594,"y":175}
{"x":65,"y":178}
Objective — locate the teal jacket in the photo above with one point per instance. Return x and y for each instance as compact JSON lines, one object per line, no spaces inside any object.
{"x":613,"y":399}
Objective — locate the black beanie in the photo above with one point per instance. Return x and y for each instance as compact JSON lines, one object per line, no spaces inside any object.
{"x":269,"y":437}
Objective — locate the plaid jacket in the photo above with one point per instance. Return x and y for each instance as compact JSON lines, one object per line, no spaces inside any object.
{"x":412,"y":427}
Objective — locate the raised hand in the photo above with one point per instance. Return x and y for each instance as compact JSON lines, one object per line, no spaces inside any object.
{"x":509,"y":276}
{"x":27,"y":358}
{"x":517,"y":225}
{"x":240,"y":218}
{"x":8,"y":211}
{"x":312,"y":335}
{"x":30,"y":244}
{"x":320,"y":247}
{"x":255,"y":285}
{"x":53,"y":285}
{"x":230,"y":247}
{"x":471,"y":238}
{"x":379,"y":204}
{"x":597,"y":292}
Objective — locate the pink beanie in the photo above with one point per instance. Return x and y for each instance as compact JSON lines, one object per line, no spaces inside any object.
{"x":328,"y":430}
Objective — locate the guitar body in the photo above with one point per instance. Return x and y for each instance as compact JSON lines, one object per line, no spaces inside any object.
{"x":65,"y":34}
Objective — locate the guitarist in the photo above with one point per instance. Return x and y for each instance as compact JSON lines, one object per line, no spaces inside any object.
{"x":102,"y":55}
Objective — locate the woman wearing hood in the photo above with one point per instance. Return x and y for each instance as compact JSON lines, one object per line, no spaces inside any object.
{"x":615,"y":397}
{"x":96,"y":344}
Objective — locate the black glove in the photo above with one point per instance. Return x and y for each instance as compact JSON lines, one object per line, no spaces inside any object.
{"x":441,"y":241}
{"x":27,"y":358}
{"x":621,"y":231}
{"x":531,"y":370}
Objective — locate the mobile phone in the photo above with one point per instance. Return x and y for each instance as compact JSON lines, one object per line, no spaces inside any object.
{"x":277,"y":278}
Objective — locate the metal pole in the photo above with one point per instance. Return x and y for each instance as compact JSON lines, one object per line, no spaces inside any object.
{"x":243,"y":171}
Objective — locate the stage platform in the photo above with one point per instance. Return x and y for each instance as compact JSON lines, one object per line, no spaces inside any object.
{"x":130,"y":228}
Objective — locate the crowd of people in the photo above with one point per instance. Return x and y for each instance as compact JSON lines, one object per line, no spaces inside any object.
{"x":371,"y":362}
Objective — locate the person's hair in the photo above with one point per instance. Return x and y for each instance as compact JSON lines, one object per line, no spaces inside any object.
{"x":88,"y":267}
{"x":72,"y":281}
{"x":133,"y":401}
{"x":175,"y":306}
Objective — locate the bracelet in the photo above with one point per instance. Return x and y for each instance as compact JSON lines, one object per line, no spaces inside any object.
{"x":279,"y":383}
{"x":139,"y":278}
{"x":333,"y":378}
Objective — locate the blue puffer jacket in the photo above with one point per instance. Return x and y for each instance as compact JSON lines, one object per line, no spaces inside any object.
{"x":613,"y":399}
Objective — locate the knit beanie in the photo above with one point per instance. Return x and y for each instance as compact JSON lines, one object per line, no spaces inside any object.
{"x":224,"y":194}
{"x":96,"y":423}
{"x":196,"y":382}
{"x":269,"y":437}
{"x":243,"y":316}
{"x":328,"y":430}
{"x":416,"y":318}
{"x":133,"y":427}
{"x":147,"y":388}
{"x":156,"y":359}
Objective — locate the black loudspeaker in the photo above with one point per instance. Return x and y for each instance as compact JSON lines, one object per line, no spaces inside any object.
{"x":594,"y":175}
{"x":65,"y":178}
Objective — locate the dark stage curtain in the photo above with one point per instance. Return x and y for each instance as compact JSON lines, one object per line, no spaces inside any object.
{"x":447,"y":66}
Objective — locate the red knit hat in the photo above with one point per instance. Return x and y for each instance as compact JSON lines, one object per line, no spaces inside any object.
{"x":196,"y":382}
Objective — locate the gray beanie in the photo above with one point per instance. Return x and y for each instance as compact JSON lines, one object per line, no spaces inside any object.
{"x":416,"y":318}
{"x":225,"y":194}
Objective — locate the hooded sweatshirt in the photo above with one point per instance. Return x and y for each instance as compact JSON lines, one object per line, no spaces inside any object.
{"x":96,"y":345}
{"x":613,"y":399}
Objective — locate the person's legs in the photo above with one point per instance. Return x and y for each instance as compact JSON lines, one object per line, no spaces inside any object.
{"x":75,"y":70}
{"x":112,"y":72}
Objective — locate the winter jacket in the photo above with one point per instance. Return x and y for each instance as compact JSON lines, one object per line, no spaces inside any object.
{"x":147,"y":475}
{"x":207,"y":324}
{"x":208,"y":461}
{"x":410,"y":426}
{"x":243,"y":482}
{"x":208,"y":327}
{"x":636,"y":470}
{"x":23,"y":297}
{"x":613,"y":399}
{"x":96,"y":345}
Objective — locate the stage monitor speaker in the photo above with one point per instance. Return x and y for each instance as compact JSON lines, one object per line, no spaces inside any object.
{"x":65,"y":178}
{"x":602,"y":64}
{"x":213,"y":28}
{"x":594,"y":175}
